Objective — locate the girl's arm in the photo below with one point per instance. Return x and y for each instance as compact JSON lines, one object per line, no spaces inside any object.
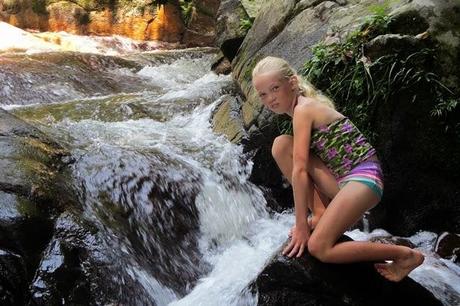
{"x":301,"y":183}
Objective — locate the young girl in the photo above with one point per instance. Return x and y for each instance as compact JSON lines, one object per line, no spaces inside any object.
{"x":327,"y":158}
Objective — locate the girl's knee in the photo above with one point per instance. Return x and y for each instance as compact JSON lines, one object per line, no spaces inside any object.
{"x":318,"y":249}
{"x":282,"y":145}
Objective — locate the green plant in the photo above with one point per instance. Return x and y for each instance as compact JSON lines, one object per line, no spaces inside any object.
{"x":39,"y":7}
{"x":246,"y":24}
{"x":284,"y":124}
{"x":187,"y":7}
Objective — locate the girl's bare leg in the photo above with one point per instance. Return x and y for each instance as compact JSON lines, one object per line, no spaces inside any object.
{"x":344,"y":210}
{"x":325,"y":184}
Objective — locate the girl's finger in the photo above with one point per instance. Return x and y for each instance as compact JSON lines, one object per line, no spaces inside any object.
{"x":294,"y":250}
{"x":301,"y":250}
{"x":288,"y":247}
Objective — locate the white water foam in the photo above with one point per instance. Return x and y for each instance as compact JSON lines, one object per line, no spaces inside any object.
{"x":238,"y":263}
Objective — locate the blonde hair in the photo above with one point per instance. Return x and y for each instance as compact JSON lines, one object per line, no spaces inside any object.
{"x":279,"y":65}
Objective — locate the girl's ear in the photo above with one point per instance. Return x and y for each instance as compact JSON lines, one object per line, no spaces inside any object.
{"x":294,"y":82}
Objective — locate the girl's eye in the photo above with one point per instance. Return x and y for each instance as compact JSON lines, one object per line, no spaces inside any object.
{"x":275,"y":88}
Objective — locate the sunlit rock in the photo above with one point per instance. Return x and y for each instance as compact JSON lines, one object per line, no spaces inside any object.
{"x":142,"y":20}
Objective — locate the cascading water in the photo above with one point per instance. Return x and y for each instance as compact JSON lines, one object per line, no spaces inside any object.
{"x":172,"y":198}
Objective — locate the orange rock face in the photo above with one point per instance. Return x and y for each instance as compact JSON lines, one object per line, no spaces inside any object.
{"x":163,"y":23}
{"x":26,"y":19}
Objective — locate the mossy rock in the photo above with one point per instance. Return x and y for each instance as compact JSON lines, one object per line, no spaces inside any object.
{"x":31,"y":161}
{"x":107,"y":109}
{"x":227,"y":119}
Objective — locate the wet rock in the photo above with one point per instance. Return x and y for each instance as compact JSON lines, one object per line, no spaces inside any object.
{"x":30,"y":160}
{"x":222,"y":66}
{"x":24,"y":228}
{"x":73,"y":268}
{"x":31,"y":174}
{"x":32,"y":79}
{"x":148,"y":200}
{"x":306,"y":281}
{"x":13,"y":279}
{"x":448,"y":246}
{"x":79,"y":267}
{"x":227,"y":118}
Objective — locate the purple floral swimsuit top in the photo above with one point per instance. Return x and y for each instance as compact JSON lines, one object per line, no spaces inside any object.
{"x":341,"y":146}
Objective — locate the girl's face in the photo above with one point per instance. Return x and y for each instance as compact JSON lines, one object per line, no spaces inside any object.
{"x":275,"y":92}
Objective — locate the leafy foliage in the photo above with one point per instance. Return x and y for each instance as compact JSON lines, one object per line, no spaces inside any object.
{"x":187,"y":7}
{"x":39,"y":7}
{"x":246,"y":24}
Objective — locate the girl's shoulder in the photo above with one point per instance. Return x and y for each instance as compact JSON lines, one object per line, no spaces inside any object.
{"x":316,"y":111}
{"x":311,"y":107}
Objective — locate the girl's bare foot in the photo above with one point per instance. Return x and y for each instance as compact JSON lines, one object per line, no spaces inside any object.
{"x":400,"y":268}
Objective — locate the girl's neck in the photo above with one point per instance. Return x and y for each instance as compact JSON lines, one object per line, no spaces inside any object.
{"x":294,"y":104}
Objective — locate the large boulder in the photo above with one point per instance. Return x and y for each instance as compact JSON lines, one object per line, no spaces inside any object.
{"x":421,"y":175}
{"x":229,"y":28}
{"x":77,"y":77}
{"x":77,"y":268}
{"x":252,"y":7}
{"x":13,"y":279}
{"x":32,"y":190}
{"x":306,"y":281}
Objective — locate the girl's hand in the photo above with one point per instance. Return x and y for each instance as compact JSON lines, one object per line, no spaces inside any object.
{"x":309,"y":220}
{"x":299,"y":240}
